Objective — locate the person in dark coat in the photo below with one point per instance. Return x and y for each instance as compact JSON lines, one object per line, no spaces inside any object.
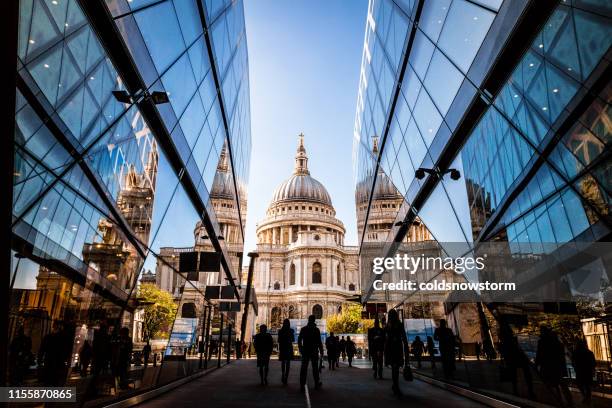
{"x":376,"y":345}
{"x":351,"y":350}
{"x":85,"y":358}
{"x":286,"y":336}
{"x":310,"y":346}
{"x":342,"y":348}
{"x":514,"y":359}
{"x":417,"y":349}
{"x":396,"y":348}
{"x":583,"y":361}
{"x":146,"y":353}
{"x":263,"y":347}
{"x":20,"y":357}
{"x":332,"y":349}
{"x":446,"y":339}
{"x":550,"y":360}
{"x":431,"y":350}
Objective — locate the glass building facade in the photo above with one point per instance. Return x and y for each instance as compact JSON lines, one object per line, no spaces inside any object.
{"x":515,"y":95}
{"x":126,"y":112}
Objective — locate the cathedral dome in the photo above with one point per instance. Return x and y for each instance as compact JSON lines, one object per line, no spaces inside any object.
{"x":301,"y":186}
{"x":384,"y":189}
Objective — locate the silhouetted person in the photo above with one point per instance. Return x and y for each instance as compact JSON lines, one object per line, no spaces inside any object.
{"x":332,"y":349}
{"x":459,"y":344}
{"x":121,"y":355}
{"x":446,"y":342}
{"x":396,"y":348}
{"x":478,"y":350}
{"x":146,"y":352}
{"x":50,"y":359}
{"x":342,"y":348}
{"x":376,"y":345}
{"x":101,"y":350}
{"x":489,"y":351}
{"x":583,"y":361}
{"x":20,"y":356}
{"x":338,"y":351}
{"x":417,"y":349}
{"x":514,"y":359}
{"x":310,"y":346}
{"x":351,"y":350}
{"x":285,"y":349}
{"x":550,"y":360}
{"x":263,"y":348}
{"x":85,"y":358}
{"x":431,"y":350}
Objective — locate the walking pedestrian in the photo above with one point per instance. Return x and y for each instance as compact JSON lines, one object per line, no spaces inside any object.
{"x":431,"y":350}
{"x":20,"y":357}
{"x":376,"y":345}
{"x":146,"y":353}
{"x":310,"y":346}
{"x":350,"y":350}
{"x":478,"y":350}
{"x":446,"y":340}
{"x":513,"y":360}
{"x":583,"y":361}
{"x":550,"y":360}
{"x":342,"y":347}
{"x":396,"y":348}
{"x":263,"y":348}
{"x":332,"y":349}
{"x":417,"y":349}
{"x":286,"y":335}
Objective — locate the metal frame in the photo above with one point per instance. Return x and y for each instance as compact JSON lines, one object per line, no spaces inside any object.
{"x":103,"y":25}
{"x":10,"y":34}
{"x":533,"y":17}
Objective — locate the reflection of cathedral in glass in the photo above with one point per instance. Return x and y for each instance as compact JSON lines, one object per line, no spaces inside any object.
{"x":223,"y":202}
{"x":303,"y":266}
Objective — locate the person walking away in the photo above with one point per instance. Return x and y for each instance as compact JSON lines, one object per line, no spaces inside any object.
{"x":376,"y":345}
{"x":342,"y":347}
{"x":417,"y":349}
{"x":285,"y":349}
{"x":396,"y":348}
{"x":514,"y":359}
{"x":550,"y":360}
{"x":337,"y":355}
{"x":125,"y":355}
{"x":431,"y":350}
{"x":146,"y":352}
{"x":446,"y":340}
{"x":263,"y":348}
{"x":85,"y":358}
{"x":583,"y":361}
{"x":351,"y":349}
{"x":478,"y":350}
{"x":20,"y":357}
{"x":331,"y":347}
{"x":310,"y":346}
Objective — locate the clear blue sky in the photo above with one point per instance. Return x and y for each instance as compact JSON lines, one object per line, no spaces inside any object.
{"x":304,"y":61}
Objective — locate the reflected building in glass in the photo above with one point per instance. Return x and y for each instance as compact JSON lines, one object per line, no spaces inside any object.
{"x":132,"y":128}
{"x":514,"y":95}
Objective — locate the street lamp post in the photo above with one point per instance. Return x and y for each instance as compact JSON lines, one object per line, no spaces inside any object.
{"x":247,"y":298}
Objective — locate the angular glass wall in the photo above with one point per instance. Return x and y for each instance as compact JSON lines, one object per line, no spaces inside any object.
{"x":534,"y":162}
{"x":110,"y":186}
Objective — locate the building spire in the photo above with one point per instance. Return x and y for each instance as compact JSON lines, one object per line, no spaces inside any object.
{"x":301,"y":159}
{"x":222,"y":165}
{"x":375,"y":145}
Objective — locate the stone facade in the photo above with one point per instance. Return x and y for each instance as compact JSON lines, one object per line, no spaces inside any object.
{"x":303,"y":266}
